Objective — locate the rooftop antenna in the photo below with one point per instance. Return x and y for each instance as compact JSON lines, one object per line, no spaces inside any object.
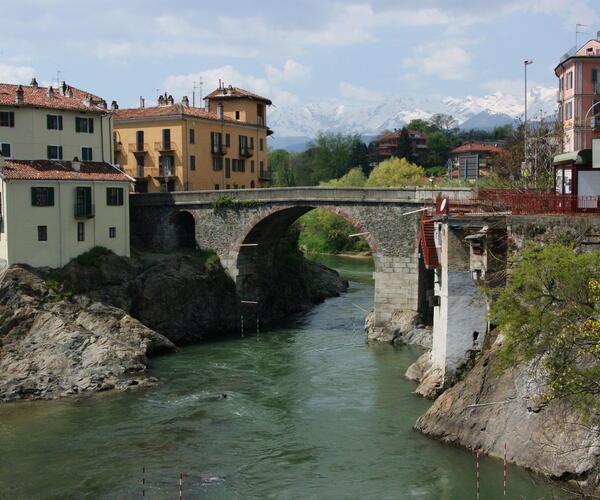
{"x":578,"y":32}
{"x":197,"y":85}
{"x":58,"y":72}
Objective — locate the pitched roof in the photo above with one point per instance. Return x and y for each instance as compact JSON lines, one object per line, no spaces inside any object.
{"x":395,"y":135}
{"x":61,"y":170}
{"x":73,"y":99}
{"x":172,"y":110}
{"x":235,"y":93}
{"x":467,"y":148}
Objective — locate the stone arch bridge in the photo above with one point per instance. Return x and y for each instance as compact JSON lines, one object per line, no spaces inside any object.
{"x":244,"y":233}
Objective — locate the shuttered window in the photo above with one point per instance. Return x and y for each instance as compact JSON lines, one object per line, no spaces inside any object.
{"x":114,"y":196}
{"x":42,"y":196}
{"x":7,"y":118}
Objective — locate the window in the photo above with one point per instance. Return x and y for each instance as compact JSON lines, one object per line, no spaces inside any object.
{"x":86,"y":154}
{"x":55,"y":152}
{"x":596,"y":80}
{"x":234,"y":165}
{"x":54,"y":122}
{"x":243,"y":186}
{"x":112,"y":232}
{"x":42,"y":233}
{"x":83,"y":202}
{"x":192,"y":162}
{"x":5,"y":150}
{"x":241,"y":165}
{"x":42,"y":197}
{"x":569,"y":111}
{"x":114,"y":196}
{"x":139,"y":140}
{"x":569,"y":80}
{"x":561,"y":83}
{"x":237,"y":115}
{"x":216,"y":142}
{"x":81,"y":231}
{"x":261,"y":145}
{"x":217,"y":163}
{"x":216,"y":187}
{"x":192,"y":136}
{"x":7,"y":118}
{"x":252,"y":166}
{"x":228,"y":186}
{"x":85,"y":125}
{"x":139,"y":160}
{"x":227,"y":140}
{"x":252,"y":184}
{"x":227,"y":167}
{"x":166,"y":138}
{"x":251,"y":142}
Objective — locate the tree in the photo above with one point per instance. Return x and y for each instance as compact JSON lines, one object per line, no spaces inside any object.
{"x":404,"y":149}
{"x":439,"y":148}
{"x":331,"y":155}
{"x":395,"y":172}
{"x":354,"y":178}
{"x":419,"y":125}
{"x":359,"y":156}
{"x":279,"y":164}
{"x":325,"y":232}
{"x":550,"y":313}
{"x":443,"y":122}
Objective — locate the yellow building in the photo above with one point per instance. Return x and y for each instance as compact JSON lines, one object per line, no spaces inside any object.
{"x":178,"y":147}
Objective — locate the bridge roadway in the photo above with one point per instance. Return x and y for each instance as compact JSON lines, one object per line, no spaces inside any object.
{"x":245,"y":236}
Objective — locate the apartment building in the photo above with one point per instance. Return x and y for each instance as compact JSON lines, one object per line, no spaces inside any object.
{"x":178,"y":147}
{"x":59,"y":193}
{"x":385,"y":146}
{"x":578,"y":95}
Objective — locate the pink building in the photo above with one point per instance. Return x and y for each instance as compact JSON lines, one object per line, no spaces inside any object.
{"x":578,"y":92}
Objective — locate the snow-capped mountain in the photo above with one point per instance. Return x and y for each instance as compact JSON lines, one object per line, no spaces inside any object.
{"x":370,"y":118}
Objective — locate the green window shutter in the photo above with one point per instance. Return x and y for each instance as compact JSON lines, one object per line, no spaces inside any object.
{"x":60,"y":156}
{"x":51,"y":197}
{"x":91,"y":125}
{"x":33,"y":204}
{"x":77,"y":124}
{"x":60,"y":123}
{"x":48,"y":151}
{"x":11,"y":119}
{"x":120,"y":195}
{"x":108,"y":200}
{"x":48,"y":122}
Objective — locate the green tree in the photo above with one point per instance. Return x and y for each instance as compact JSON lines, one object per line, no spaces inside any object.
{"x":549,"y":312}
{"x":354,"y":178}
{"x":419,"y":125}
{"x":279,"y":163}
{"x":445,"y":123}
{"x":396,"y":172}
{"x":439,"y":148}
{"x":404,"y":149}
{"x":359,"y":155}
{"x":331,"y":155}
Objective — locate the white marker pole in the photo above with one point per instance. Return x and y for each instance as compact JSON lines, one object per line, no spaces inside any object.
{"x":358,"y":234}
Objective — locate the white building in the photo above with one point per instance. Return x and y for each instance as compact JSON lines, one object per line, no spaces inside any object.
{"x":54,"y":206}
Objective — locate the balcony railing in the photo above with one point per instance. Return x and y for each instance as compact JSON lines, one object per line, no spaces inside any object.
{"x":164,"y":146}
{"x":264,"y":175}
{"x":138,"y":147}
{"x":218,"y":149}
{"x":246,"y":151}
{"x":84,"y":210}
{"x":166,"y":172}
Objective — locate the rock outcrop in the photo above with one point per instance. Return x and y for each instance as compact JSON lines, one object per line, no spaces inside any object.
{"x":486,"y":410}
{"x":404,"y":327}
{"x":92,"y":327}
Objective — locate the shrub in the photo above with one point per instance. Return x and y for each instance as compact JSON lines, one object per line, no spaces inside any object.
{"x":92,"y":256}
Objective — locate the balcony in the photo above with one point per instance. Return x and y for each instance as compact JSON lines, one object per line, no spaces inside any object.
{"x":246,"y":151}
{"x":165,"y":172}
{"x":264,"y":175}
{"x":138,"y":148}
{"x":84,"y":210}
{"x":164,"y":146}
{"x":218,"y":149}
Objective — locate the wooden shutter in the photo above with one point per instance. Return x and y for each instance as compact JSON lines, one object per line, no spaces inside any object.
{"x":91,"y":125}
{"x":48,"y":121}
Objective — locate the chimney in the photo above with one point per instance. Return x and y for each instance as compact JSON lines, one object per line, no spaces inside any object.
{"x":598,"y":36}
{"x":50,"y":91}
{"x":76,"y":164}
{"x":87,"y":100}
{"x":161,"y":100}
{"x":34,"y":83}
{"x":185,"y":101}
{"x":63,"y":88}
{"x":170,"y":100}
{"x":114,"y":105}
{"x":219,"y":111}
{"x":19,"y":99}
{"x":141,"y":102}
{"x":69,"y":92}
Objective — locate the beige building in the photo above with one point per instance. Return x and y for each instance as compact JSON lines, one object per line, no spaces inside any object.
{"x":52,"y":211}
{"x":178,"y":147}
{"x":53,"y":206}
{"x":54,"y":124}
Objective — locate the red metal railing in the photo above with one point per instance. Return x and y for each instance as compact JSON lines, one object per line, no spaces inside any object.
{"x":528,"y":203}
{"x":427,"y":237}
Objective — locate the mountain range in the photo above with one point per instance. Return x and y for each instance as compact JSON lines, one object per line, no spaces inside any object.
{"x":295,"y":125}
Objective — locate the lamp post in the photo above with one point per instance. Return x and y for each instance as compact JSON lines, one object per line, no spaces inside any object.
{"x":525,"y":63}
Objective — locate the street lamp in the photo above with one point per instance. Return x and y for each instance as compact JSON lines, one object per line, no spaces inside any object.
{"x":525,"y":63}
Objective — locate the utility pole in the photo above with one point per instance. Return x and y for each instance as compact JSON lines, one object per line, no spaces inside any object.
{"x":526,"y":63}
{"x":577,"y":33}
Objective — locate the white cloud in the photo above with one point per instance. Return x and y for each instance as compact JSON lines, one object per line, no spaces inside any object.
{"x":16,"y":74}
{"x":292,"y":71}
{"x":358,"y":93}
{"x":442,"y":60}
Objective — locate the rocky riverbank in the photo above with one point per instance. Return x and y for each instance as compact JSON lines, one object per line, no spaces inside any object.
{"x":487,"y":409}
{"x":92,"y":325}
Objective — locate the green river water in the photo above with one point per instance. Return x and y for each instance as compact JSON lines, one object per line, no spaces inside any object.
{"x":313,"y":412}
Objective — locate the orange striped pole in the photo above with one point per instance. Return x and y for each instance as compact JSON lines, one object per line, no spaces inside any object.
{"x":143,"y":481}
{"x":477,"y":470}
{"x":505,"y":477}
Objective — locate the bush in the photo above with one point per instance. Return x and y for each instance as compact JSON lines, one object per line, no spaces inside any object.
{"x":92,"y":256}
{"x":396,"y":172}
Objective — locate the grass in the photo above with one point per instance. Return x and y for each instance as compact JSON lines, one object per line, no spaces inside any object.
{"x":92,"y":256}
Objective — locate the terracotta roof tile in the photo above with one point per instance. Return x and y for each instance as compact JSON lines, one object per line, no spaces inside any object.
{"x":61,"y":170}
{"x":235,"y":92}
{"x":396,"y":135}
{"x":476,"y":147}
{"x":172,"y":110}
{"x":37,"y":96}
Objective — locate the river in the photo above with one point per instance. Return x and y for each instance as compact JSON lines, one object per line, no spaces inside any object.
{"x":312,"y":412}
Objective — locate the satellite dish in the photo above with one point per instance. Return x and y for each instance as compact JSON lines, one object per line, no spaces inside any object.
{"x":443,"y":205}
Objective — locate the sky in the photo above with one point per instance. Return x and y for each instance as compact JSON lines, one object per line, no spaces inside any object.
{"x":292,"y":52}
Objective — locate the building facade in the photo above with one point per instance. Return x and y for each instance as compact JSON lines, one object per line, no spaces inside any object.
{"x":471,"y":161}
{"x":384,"y":147}
{"x":53,"y":124}
{"x":178,"y":147}
{"x":579,"y":95}
{"x":52,"y":211}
